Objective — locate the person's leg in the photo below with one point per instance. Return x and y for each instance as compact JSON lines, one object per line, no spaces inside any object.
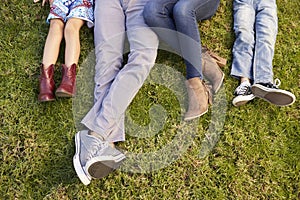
{"x":243,"y":92}
{"x":158,"y":15}
{"x":186,"y":15}
{"x":143,"y":50}
{"x":53,"y":41}
{"x":79,"y":12}
{"x":266,"y":28}
{"x":243,"y":48}
{"x":50,"y":55}
{"x":109,"y":37}
{"x":95,"y":157}
{"x":71,"y":34}
{"x":72,"y":52}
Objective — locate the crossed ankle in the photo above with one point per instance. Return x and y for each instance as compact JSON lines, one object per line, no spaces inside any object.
{"x":100,"y":137}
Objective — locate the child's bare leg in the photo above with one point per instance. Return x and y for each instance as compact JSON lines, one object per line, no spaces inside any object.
{"x":52,"y":45}
{"x":71,"y":33}
{"x":243,"y":79}
{"x":72,"y":39}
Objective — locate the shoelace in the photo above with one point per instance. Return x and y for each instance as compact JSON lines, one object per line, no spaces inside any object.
{"x":277,"y":82}
{"x":96,"y":148}
{"x":242,"y":89}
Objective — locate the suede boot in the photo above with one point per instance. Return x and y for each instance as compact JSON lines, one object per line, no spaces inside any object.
{"x":199,"y":98}
{"x":46,"y":84}
{"x":212,"y":72}
{"x":219,"y":60}
{"x":67,"y":86}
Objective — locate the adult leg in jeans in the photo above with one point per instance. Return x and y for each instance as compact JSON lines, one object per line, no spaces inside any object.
{"x":107,"y":116}
{"x":186,"y":16}
{"x":95,"y":157}
{"x":182,"y":17}
{"x":109,"y":36}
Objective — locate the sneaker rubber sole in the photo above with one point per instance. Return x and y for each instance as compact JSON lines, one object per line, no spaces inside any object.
{"x":275,"y":96}
{"x":242,"y":99}
{"x":101,"y":166}
{"x":84,"y":178}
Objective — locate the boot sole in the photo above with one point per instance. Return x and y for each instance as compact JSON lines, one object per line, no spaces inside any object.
{"x":195,"y":116}
{"x":220,"y":84}
{"x":45,"y":99}
{"x":63,"y":93}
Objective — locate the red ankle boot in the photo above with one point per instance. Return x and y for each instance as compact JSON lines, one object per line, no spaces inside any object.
{"x":47,"y":84}
{"x":67,"y":86}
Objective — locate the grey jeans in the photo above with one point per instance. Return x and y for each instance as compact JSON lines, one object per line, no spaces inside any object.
{"x":117,"y":84}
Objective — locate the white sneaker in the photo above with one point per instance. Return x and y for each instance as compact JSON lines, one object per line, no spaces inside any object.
{"x":94,"y":158}
{"x":271,"y":93}
{"x":242,"y":94}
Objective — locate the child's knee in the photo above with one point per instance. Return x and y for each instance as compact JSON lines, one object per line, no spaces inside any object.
{"x":56,"y":24}
{"x":73,"y":25}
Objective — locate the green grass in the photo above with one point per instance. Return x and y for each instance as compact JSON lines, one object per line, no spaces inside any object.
{"x":256,"y":156}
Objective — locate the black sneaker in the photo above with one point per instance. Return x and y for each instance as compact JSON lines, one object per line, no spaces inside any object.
{"x":242,"y":94}
{"x":271,"y":93}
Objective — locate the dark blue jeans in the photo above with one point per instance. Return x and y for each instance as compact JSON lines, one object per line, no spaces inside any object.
{"x":181,"y":17}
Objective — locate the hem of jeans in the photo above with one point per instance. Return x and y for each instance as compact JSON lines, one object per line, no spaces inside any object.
{"x":263,"y":81}
{"x":239,"y":76}
{"x":99,"y":131}
{"x":94,"y":129}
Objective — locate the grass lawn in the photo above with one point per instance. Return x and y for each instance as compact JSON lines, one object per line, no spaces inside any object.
{"x":250,"y":152}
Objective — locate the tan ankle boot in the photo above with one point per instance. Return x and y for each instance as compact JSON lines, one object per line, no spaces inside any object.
{"x":218,"y":59}
{"x":212,"y":72}
{"x":199,"y":98}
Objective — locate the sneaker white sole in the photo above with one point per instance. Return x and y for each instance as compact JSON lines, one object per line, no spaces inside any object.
{"x":275,"y":96}
{"x":242,"y":100}
{"x":84,"y":178}
{"x":101,"y":166}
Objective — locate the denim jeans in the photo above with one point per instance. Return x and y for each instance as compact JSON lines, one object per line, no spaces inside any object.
{"x":117,"y":84}
{"x":255,"y":27}
{"x":181,"y":16}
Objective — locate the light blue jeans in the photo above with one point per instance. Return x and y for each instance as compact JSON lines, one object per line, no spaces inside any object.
{"x":255,"y":28}
{"x":115,"y":84}
{"x":181,"y":16}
